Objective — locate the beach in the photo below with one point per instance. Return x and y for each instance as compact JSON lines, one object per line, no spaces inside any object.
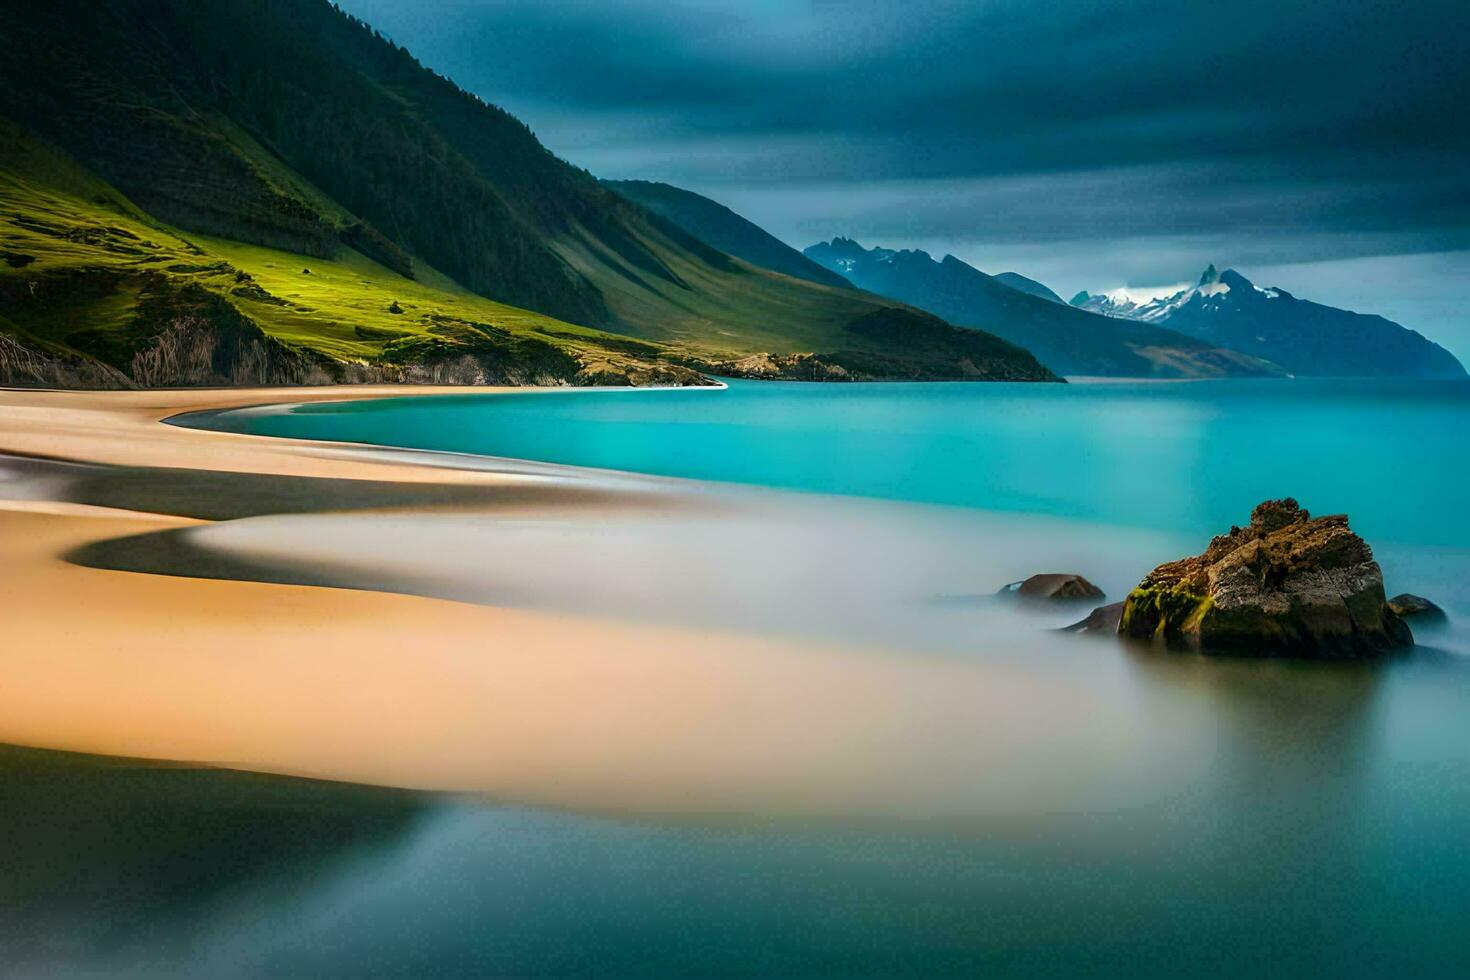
{"x":552,"y":707}
{"x":296,"y":706}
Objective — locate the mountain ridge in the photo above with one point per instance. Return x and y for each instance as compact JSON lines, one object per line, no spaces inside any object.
{"x":1070,"y":341}
{"x":723,"y":228}
{"x":1027,"y":285}
{"x":1305,"y":337}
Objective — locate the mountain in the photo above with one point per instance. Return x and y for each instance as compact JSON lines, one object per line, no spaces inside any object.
{"x":221,"y":191}
{"x":716,"y":225}
{"x":1068,"y":340}
{"x":1017,"y":281}
{"x":1304,"y":337}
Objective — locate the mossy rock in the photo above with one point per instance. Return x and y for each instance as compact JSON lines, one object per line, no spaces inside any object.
{"x":1287,"y":585}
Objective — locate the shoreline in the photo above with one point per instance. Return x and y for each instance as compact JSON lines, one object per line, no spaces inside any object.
{"x":571,"y":708}
{"x":552,"y":636}
{"x":39,"y":528}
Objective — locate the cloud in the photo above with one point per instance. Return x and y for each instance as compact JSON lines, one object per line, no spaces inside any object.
{"x":1101,"y":131}
{"x":1000,"y":87}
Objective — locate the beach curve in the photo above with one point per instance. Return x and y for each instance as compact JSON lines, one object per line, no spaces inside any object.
{"x":520,"y":704}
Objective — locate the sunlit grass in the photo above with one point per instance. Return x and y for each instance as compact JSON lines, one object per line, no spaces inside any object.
{"x":93,"y":255}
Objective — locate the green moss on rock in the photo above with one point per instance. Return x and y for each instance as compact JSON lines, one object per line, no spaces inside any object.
{"x":1285,"y":585}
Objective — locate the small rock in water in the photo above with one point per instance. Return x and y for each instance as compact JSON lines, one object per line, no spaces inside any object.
{"x":1406,"y":604}
{"x":1288,"y":585}
{"x":1103,"y":619}
{"x":1054,"y":585}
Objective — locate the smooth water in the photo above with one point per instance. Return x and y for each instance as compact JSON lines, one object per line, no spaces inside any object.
{"x":1134,"y":813}
{"x":1190,"y":457}
{"x":1137,"y":473}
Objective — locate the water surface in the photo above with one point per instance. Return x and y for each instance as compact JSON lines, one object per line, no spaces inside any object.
{"x":1135,"y":812}
{"x":1191,"y":456}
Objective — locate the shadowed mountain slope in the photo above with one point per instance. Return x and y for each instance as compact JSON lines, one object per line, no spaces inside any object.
{"x":714,"y":224}
{"x":1017,"y":281}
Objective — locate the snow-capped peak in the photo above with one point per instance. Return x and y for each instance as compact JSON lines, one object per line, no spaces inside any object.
{"x":1131,"y":301}
{"x":1214,"y":289}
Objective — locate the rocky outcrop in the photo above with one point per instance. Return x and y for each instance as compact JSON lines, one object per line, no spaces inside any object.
{"x":195,"y":351}
{"x":1053,"y":585}
{"x":1286,"y":585}
{"x":785,"y":367}
{"x":22,"y":366}
{"x":183,"y":334}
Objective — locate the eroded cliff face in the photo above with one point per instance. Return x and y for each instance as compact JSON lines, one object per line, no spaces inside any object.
{"x":24,"y":367}
{"x":181,"y":336}
{"x":1287,"y":584}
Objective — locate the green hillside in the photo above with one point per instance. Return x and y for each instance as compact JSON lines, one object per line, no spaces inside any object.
{"x":172,"y":168}
{"x":94,"y":292}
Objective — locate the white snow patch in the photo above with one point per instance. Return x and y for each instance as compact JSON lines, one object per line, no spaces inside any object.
{"x":1141,"y":295}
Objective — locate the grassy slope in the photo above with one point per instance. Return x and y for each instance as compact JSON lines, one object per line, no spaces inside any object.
{"x":92,"y":255}
{"x":88,"y":263}
{"x":777,"y":313}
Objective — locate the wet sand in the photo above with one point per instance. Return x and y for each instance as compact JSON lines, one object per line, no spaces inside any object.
{"x":539,"y":706}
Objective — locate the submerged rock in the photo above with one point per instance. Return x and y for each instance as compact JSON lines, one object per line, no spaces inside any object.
{"x":1054,"y":585}
{"x":1103,"y":619}
{"x":1288,"y":585}
{"x":1406,"y":604}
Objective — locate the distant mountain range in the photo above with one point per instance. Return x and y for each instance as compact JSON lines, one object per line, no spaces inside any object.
{"x":716,"y":225}
{"x":1068,"y":340}
{"x":1304,"y":337}
{"x":269,"y":191}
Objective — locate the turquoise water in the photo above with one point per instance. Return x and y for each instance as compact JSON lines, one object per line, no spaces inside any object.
{"x":1185,"y":456}
{"x":1209,"y":818}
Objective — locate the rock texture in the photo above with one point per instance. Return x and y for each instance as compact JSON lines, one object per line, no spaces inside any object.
{"x":1054,"y":585}
{"x":1288,"y":585}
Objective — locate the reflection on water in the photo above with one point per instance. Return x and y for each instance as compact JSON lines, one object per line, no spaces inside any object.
{"x":1312,"y":833}
{"x":104,"y":856}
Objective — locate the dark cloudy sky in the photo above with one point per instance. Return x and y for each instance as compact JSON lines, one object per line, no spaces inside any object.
{"x":1319,"y":145}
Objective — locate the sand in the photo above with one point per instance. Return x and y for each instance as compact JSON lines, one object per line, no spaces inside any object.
{"x":524,"y":705}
